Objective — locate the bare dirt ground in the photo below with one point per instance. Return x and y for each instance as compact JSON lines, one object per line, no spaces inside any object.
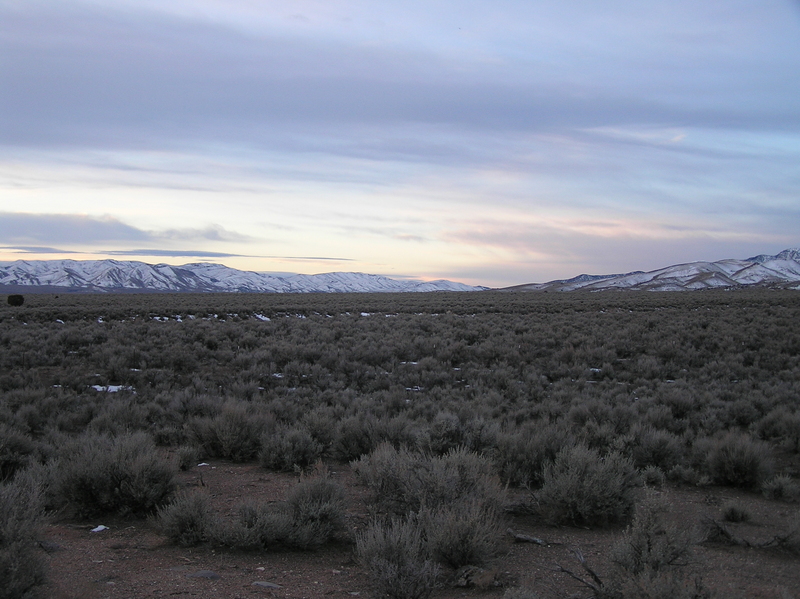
{"x":130,"y":559}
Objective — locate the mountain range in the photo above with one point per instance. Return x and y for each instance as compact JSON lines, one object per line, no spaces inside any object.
{"x":131,"y":276}
{"x":781,"y":270}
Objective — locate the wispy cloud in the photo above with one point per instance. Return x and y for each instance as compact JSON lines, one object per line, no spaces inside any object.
{"x":88,"y":231}
{"x":28,"y":249}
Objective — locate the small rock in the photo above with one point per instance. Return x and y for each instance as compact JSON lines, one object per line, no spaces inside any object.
{"x":50,"y":546}
{"x":209,"y":574}
{"x":100,"y":528}
{"x":266,"y":585}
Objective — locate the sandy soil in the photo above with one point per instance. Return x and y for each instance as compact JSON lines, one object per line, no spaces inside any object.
{"x":130,"y":559}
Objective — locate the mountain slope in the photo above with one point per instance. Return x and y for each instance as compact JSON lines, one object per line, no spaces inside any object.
{"x":117,"y":276}
{"x":781,"y":270}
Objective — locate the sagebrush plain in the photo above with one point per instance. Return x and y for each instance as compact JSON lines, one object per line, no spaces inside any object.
{"x":444,"y":444}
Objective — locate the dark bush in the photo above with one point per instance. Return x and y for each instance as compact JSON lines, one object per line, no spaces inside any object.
{"x":355,"y":436}
{"x":464,"y":533}
{"x":523,"y":455}
{"x":258,"y":526}
{"x":782,"y":487}
{"x":16,"y":300}
{"x":16,"y":451}
{"x":104,"y":475}
{"x":234,"y":434}
{"x":402,"y":481}
{"x":740,"y":461}
{"x":652,"y":447}
{"x":581,"y":487}
{"x":22,"y":565}
{"x":187,"y":520}
{"x":652,"y":558}
{"x":733,"y":512}
{"x":317,"y":508}
{"x":396,"y":559}
{"x":312,"y":515}
{"x":288,"y":448}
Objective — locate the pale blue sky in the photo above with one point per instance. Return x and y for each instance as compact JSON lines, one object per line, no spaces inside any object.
{"x":493,"y":143}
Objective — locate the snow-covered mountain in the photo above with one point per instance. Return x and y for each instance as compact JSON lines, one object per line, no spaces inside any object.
{"x":116,"y":276}
{"x":781,"y":270}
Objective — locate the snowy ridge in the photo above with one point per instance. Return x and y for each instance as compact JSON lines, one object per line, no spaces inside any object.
{"x":781,"y":270}
{"x":116,"y":275}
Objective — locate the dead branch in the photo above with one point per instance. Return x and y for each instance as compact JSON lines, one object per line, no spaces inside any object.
{"x":523,"y":538}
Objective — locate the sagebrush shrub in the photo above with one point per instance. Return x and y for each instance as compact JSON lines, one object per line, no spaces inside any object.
{"x":652,"y":557}
{"x":403,"y":481}
{"x":740,"y":461}
{"x":733,"y":512}
{"x":235,"y":433}
{"x":104,"y":475}
{"x":16,"y":451}
{"x":22,"y":567}
{"x":463,"y":533}
{"x":396,"y":559}
{"x":523,"y":455}
{"x":652,"y":447}
{"x":582,"y":487}
{"x":313,"y":514}
{"x":187,"y":520}
{"x":651,"y":542}
{"x":289,"y":448}
{"x":317,"y":507}
{"x":355,"y":436}
{"x":782,"y":487}
{"x":258,"y":526}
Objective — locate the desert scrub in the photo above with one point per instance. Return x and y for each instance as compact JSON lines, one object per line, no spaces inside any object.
{"x":16,"y":451}
{"x":396,"y":559}
{"x":733,"y":512}
{"x":651,"y":542}
{"x":403,"y":481}
{"x":119,"y":475}
{"x":739,"y":461}
{"x":782,"y":487}
{"x":187,"y":520}
{"x":466,"y":533}
{"x":456,"y":500}
{"x":652,"y":557}
{"x":583,"y":487}
{"x":317,"y":508}
{"x":234,"y":434}
{"x":289,"y":448}
{"x":22,"y":567}
{"x":312,"y":515}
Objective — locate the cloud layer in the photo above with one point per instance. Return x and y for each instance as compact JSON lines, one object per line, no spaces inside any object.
{"x":421,"y":138}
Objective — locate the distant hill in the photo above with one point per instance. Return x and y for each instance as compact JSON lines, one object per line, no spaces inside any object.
{"x":114,"y":276}
{"x":781,"y":270}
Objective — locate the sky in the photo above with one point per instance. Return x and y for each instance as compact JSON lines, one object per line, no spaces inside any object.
{"x":490,"y":142}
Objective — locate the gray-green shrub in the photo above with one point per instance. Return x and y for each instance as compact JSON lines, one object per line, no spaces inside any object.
{"x":740,"y":461}
{"x":396,"y":559}
{"x":461,"y":534}
{"x":187,"y":520}
{"x":22,"y":567}
{"x":288,"y":448}
{"x":583,"y":487}
{"x":317,"y":508}
{"x":105,"y":475}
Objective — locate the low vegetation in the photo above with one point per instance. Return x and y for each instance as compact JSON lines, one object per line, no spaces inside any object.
{"x":440,"y":401}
